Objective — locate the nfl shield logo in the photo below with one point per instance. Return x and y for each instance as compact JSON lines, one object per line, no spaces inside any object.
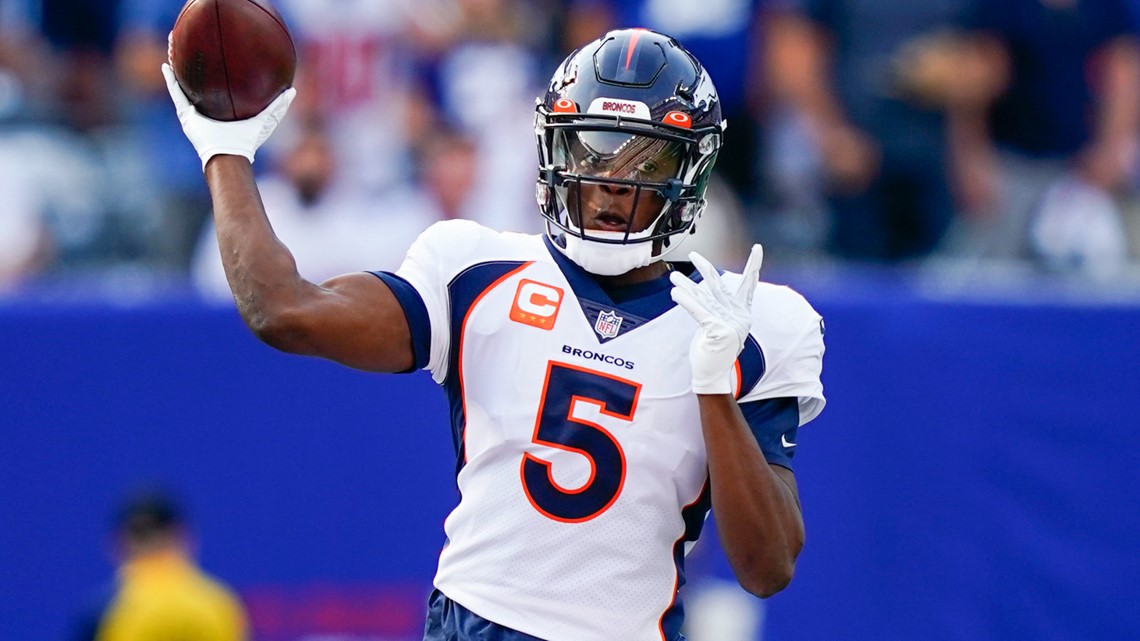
{"x":608,"y":324}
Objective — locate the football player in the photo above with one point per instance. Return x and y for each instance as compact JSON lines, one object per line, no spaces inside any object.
{"x":602,"y":397}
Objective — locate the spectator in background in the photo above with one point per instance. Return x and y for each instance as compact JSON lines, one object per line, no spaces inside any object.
{"x":480,"y":74}
{"x":122,"y":238}
{"x":25,"y":246}
{"x":843,"y":65}
{"x":24,"y":59}
{"x":159,"y":592}
{"x":83,"y":34}
{"x":56,"y":102}
{"x":1044,"y":163}
{"x":331,"y":224}
{"x":171,"y":192}
{"x":448,"y":168}
{"x":24,"y":241}
{"x":355,"y":74}
{"x":74,"y":129}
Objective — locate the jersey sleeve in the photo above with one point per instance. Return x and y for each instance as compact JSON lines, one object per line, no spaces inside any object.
{"x":789,"y":334}
{"x":419,"y":323}
{"x":439,"y":254}
{"x":774,"y":422}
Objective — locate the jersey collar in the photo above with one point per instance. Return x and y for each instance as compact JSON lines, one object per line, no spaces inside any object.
{"x":637,"y":305}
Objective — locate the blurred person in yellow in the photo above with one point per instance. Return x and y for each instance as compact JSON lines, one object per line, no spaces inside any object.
{"x":160,"y":592}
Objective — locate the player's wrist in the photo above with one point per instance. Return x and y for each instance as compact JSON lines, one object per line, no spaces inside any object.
{"x":716,"y":395}
{"x":713,"y":385}
{"x":208,"y":154}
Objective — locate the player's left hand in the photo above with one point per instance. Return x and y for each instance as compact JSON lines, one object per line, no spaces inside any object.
{"x":724,"y":318}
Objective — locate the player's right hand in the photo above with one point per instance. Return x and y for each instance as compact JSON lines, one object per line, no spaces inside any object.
{"x":214,"y":137}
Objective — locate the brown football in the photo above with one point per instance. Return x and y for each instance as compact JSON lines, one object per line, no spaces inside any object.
{"x":231,"y":57}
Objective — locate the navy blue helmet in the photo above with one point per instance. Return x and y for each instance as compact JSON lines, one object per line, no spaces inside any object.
{"x":632,"y":110}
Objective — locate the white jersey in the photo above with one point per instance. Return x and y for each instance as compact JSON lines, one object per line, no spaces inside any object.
{"x":583,"y":470}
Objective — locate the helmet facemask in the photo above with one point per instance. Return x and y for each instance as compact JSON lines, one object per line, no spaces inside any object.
{"x":638,"y":182}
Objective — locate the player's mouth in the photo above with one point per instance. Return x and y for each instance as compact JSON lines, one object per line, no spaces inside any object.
{"x":609,"y":221}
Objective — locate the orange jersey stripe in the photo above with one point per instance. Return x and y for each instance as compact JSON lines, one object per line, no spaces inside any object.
{"x":463,"y":333}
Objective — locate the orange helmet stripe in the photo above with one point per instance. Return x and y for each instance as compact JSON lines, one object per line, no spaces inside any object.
{"x":633,"y":38}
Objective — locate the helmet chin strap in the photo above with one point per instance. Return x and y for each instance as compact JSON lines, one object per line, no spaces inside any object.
{"x":607,"y":259}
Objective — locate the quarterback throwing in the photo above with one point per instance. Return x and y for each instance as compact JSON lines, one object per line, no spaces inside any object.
{"x":604,"y":394}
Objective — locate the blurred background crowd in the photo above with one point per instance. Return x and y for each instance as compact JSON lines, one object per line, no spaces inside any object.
{"x":978,"y":137}
{"x":976,"y":141}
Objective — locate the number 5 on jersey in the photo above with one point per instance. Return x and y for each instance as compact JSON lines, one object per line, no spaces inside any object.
{"x":560,"y":425}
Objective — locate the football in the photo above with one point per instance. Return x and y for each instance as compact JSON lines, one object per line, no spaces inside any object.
{"x":231,"y":57}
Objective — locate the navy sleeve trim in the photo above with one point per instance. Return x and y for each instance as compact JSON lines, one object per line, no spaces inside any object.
{"x":752,"y":365}
{"x":416,"y":312}
{"x":774,"y":422}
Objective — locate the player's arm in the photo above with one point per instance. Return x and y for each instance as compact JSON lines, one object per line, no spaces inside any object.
{"x":756,"y":504}
{"x":353,"y":319}
{"x":761,"y":531}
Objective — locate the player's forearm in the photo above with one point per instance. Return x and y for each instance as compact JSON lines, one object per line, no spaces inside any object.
{"x":757,"y":513}
{"x":261,"y":271}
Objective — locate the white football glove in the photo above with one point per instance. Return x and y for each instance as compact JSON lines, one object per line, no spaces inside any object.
{"x":724,"y":319}
{"x":213,"y":137}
